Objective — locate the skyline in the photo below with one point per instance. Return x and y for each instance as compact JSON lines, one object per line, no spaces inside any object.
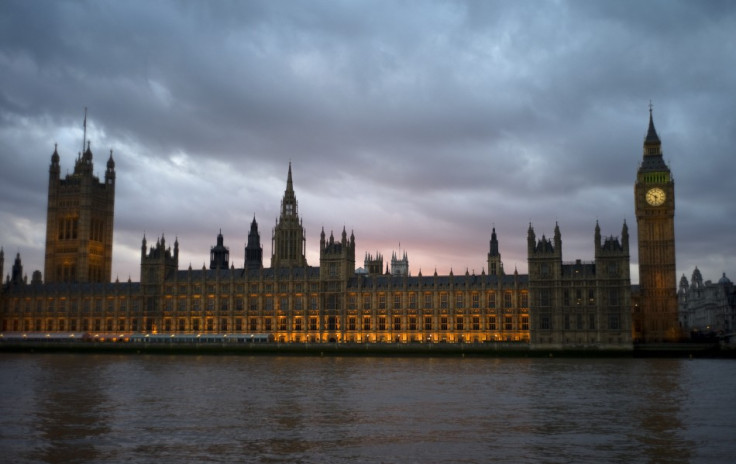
{"x":419,"y":125}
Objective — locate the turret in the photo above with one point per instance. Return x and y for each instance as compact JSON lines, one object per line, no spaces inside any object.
{"x":219,"y":254}
{"x":254,"y":250}
{"x":16,"y":276}
{"x":337,"y":259}
{"x":495,"y":267}
{"x":110,"y":172}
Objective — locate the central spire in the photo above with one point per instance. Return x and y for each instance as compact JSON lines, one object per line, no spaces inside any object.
{"x":288,"y":240}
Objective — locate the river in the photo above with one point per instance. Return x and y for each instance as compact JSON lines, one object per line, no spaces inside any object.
{"x":85,"y":408}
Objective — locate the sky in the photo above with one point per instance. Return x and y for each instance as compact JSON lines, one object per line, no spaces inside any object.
{"x":418,"y":125}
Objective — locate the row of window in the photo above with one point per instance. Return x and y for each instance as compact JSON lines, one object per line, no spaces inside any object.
{"x":269,"y":324}
{"x":577,"y":297}
{"x":577,"y":322}
{"x":269,"y":303}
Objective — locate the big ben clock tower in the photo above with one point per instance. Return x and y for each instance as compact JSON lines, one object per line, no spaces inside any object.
{"x":654,"y":194}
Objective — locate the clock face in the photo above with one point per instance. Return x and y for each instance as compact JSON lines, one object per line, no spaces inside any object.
{"x":656,"y":196}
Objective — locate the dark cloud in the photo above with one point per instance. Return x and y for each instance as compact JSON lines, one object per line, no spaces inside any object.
{"x":420,"y":123}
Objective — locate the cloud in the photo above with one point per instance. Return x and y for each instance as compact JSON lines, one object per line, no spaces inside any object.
{"x":413,"y":122}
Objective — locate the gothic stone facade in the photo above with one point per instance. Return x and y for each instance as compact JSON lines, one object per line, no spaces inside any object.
{"x":557,"y":305}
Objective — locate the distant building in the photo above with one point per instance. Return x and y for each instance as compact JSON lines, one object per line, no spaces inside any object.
{"x":707,"y":308}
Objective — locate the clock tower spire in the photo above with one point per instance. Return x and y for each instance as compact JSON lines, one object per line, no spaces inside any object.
{"x":654,"y":195}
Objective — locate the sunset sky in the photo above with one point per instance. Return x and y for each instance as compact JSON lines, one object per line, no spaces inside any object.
{"x":418,"y":125}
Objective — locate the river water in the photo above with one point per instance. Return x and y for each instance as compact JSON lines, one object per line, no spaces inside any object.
{"x":57,"y":408}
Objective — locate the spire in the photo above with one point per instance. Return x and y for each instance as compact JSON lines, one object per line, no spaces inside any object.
{"x":652,"y":136}
{"x":55,"y":156}
{"x":289,"y":183}
{"x":84,"y":134}
{"x":494,"y":243}
{"x":652,"y":144}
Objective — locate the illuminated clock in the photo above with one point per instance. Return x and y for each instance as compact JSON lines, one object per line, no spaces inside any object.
{"x":656,"y":196}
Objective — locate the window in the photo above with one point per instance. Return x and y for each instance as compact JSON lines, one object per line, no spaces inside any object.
{"x":459,"y":323}
{"x":312,"y":323}
{"x":267,"y":324}
{"x":298,"y":324}
{"x":613,"y":297}
{"x":491,"y":322}
{"x":443,"y":300}
{"x":508,"y":323}
{"x":412,"y":323}
{"x":412,"y":301}
{"x":545,"y":298}
{"x":579,"y":322}
{"x":475,"y":301}
{"x":591,"y":321}
{"x":352,"y":302}
{"x":427,"y":322}
{"x":269,"y":303}
{"x":567,"y":322}
{"x":351,"y":323}
{"x":613,"y":322}
{"x":282,"y":323}
{"x":491,"y":300}
{"x":397,"y":323}
{"x":382,"y":323}
{"x":366,"y":301}
{"x":524,"y":322}
{"x":253,"y":324}
{"x":284,"y":304}
{"x":544,"y":322}
{"x":459,"y":300}
{"x":397,"y":301}
{"x":443,"y":323}
{"x":507,"y":300}
{"x":427,"y":301}
{"x":476,"y":323}
{"x":524,"y":300}
{"x":366,"y":323}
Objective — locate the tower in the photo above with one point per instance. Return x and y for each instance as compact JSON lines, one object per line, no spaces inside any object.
{"x":495,"y":266}
{"x":288,"y":241}
{"x":219,"y":254}
{"x":79,"y":222}
{"x":399,"y":266}
{"x":253,"y":250}
{"x":654,"y":197}
{"x":158,"y":264}
{"x":373,"y":265}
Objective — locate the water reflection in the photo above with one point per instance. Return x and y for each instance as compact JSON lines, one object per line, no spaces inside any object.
{"x":65,"y":408}
{"x":71,"y":409}
{"x":657,"y":410}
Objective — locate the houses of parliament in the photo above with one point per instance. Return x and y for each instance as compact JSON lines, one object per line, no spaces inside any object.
{"x":557,"y":305}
